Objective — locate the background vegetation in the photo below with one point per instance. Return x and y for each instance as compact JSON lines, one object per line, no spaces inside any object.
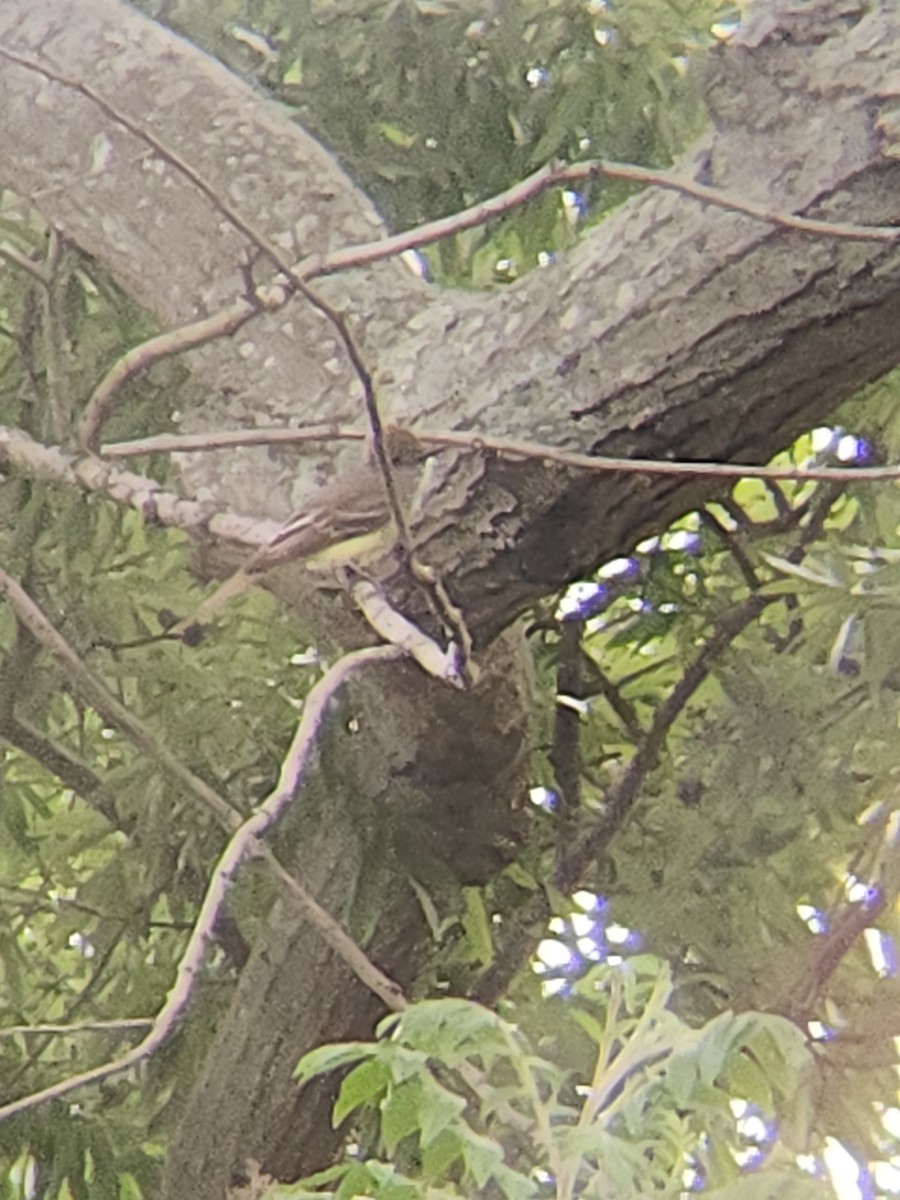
{"x":762,"y":846}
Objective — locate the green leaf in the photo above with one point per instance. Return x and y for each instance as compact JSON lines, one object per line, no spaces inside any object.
{"x":715,"y":1047}
{"x":440,"y":1109}
{"x":400,"y":1113}
{"x":361,"y":1086}
{"x":451,"y":1030}
{"x":129,"y":1189}
{"x":477,"y":926}
{"x":396,"y":136}
{"x":402,"y":1062}
{"x":779,"y":1047}
{"x":681,"y":1077}
{"x":483,"y":1158}
{"x":331,"y":1058}
{"x":822,"y":576}
{"x":311,"y":1185}
{"x":440,"y":1153}
{"x":591,"y":1026}
{"x":293,"y":76}
{"x":522,"y":878}
{"x":358,"y":1181}
{"x":745,"y":1078}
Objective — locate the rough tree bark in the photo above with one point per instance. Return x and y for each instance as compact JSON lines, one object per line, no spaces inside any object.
{"x":673,"y":330}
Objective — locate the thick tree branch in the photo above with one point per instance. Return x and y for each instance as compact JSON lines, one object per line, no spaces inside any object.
{"x":672,"y":331}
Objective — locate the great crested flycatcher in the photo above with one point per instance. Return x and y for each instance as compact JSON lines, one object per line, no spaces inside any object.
{"x":342,"y":522}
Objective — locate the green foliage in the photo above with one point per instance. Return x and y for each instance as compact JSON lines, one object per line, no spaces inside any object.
{"x":776,"y":788}
{"x":88,"y":311}
{"x":103,"y":857}
{"x":777,"y":791}
{"x":464,"y":1099}
{"x":433,"y":106}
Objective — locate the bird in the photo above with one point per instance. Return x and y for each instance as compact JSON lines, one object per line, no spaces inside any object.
{"x":348,"y":519}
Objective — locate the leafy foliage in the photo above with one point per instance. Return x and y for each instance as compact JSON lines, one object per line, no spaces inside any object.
{"x":776,"y":794}
{"x":452,"y":102}
{"x":465,"y":1101}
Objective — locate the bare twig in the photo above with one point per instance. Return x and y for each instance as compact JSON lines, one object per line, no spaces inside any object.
{"x":565,"y":755}
{"x":14,"y":255}
{"x":599,"y":684}
{"x":79,"y":1027}
{"x":506,"y":448}
{"x":514,"y":448}
{"x":58,"y":761}
{"x":556,"y":175}
{"x":844,"y":929}
{"x":733,"y":547}
{"x":335,"y":936}
{"x":226,"y":439}
{"x":399,"y":631}
{"x":620,"y":798}
{"x":58,"y":398}
{"x":453,"y":617}
{"x":86,"y":471}
{"x":140,"y":358}
{"x":292,"y":770}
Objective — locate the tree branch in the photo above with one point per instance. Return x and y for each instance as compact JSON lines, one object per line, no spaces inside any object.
{"x":244,"y":840}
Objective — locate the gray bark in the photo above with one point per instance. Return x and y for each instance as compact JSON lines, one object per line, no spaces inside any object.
{"x":673,"y":330}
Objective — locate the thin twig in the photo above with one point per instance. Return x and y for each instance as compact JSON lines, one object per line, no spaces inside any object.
{"x":565,"y":754}
{"x":507,"y":448}
{"x":600,"y":684}
{"x":139,"y":492}
{"x":58,"y":761}
{"x":556,"y":175}
{"x":179,"y":443}
{"x":621,"y":797}
{"x":335,"y":936}
{"x":844,"y":929}
{"x":14,"y":255}
{"x":79,"y":1027}
{"x":516,"y":448}
{"x":58,"y":398}
{"x":732,"y":546}
{"x":224,"y":323}
{"x":399,"y":631}
{"x":111,"y":709}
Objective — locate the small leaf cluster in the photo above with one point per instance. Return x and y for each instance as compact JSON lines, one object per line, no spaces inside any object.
{"x":465,"y":1102}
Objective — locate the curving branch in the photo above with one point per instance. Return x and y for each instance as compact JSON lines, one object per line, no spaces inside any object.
{"x":245,"y":840}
